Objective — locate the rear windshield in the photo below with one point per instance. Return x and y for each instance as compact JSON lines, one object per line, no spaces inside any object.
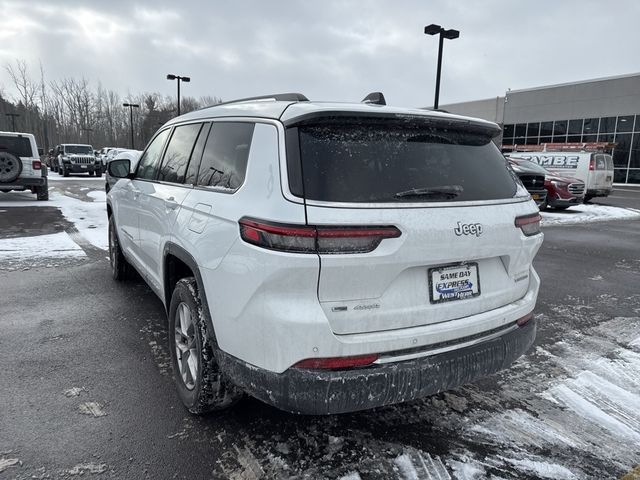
{"x":20,"y":146}
{"x":369,"y":162}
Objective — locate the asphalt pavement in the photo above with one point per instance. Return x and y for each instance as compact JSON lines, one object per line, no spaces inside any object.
{"x":86,"y":386}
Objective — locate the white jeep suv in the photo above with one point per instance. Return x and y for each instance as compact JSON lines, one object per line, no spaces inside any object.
{"x":20,"y":165}
{"x":328,"y":257}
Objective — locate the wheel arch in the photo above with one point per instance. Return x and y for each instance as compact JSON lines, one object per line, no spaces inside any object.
{"x":177,"y":264}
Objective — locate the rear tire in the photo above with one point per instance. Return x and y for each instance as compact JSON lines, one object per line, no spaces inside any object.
{"x":120,"y":268}
{"x":200,"y":383}
{"x":42,"y":193}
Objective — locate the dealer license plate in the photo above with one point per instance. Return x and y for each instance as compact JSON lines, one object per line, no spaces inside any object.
{"x":455,"y":282}
{"x":83,"y":166}
{"x":535,"y":196}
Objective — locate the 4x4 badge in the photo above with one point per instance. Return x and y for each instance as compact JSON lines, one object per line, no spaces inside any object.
{"x":468,"y":229}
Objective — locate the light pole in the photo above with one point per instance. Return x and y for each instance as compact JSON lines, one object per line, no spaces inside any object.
{"x":451,"y":34}
{"x":87,"y":130}
{"x":179,"y":79}
{"x":13,"y":120}
{"x":131,"y":107}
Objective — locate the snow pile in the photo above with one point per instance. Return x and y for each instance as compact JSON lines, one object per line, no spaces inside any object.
{"x":90,"y":218}
{"x":46,"y":248}
{"x":588,"y":213}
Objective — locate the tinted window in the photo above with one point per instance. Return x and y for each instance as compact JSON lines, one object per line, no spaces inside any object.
{"x":20,"y":146}
{"x":625,"y":124}
{"x":546,"y":128}
{"x":384,"y":162}
{"x":78,"y":149}
{"x":178,"y":153}
{"x":509,"y":130}
{"x":621,"y":150}
{"x":575,"y":127}
{"x":521,"y":129}
{"x":224,"y":160}
{"x":194,"y":164}
{"x":148,"y":165}
{"x":533,"y":130}
{"x":607,"y":124}
{"x":559,"y":128}
{"x":590,"y":125}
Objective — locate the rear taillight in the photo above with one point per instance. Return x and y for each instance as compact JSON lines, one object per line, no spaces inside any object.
{"x":521,"y":322}
{"x":36,"y":164}
{"x":337,"y":363}
{"x":314,"y":239}
{"x":529,"y":224}
{"x":592,"y":164}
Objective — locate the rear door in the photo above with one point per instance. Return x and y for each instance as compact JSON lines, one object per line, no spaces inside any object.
{"x":451,"y":196}
{"x":161,"y":200}
{"x":602,"y":176}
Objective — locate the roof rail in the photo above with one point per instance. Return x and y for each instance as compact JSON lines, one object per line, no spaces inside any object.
{"x":276,"y":97}
{"x":375,"y":98}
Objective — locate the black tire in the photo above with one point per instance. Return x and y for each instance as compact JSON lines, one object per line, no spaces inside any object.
{"x":209,"y":390}
{"x":588,"y":198}
{"x":564,"y":207}
{"x":120,"y":268}
{"x":91,"y":173}
{"x":10,"y":167}
{"x":543,"y":205}
{"x":98,"y":173}
{"x":65,"y":171}
{"x":42,"y":193}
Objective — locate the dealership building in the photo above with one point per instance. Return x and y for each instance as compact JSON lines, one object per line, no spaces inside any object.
{"x":599,"y":110}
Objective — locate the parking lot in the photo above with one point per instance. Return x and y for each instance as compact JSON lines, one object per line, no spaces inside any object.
{"x":87,"y":387}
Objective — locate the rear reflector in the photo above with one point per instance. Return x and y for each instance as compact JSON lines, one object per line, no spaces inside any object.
{"x":36,"y":165}
{"x":336,"y":363}
{"x":523,"y":320}
{"x":314,"y":239}
{"x":529,"y":224}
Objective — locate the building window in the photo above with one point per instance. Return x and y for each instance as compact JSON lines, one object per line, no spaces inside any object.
{"x":533,"y":130}
{"x":607,"y":125}
{"x":590,"y":126}
{"x":621,"y":151}
{"x":509,"y":131}
{"x":575,"y":127}
{"x":625,"y":124}
{"x":546,"y":129}
{"x":635,"y":151}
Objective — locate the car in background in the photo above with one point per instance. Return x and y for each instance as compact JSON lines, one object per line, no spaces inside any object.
{"x":76,"y":158}
{"x":20,"y":165}
{"x":533,"y":181}
{"x":562,"y":192}
{"x":102,"y":154}
{"x":132,"y":155}
{"x":594,"y":168}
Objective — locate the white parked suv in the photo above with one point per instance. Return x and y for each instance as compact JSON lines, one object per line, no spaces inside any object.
{"x":329,"y":257}
{"x":20,"y":165}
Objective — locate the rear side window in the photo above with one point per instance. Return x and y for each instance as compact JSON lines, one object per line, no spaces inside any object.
{"x":224,"y":160}
{"x":20,"y":146}
{"x":397,"y":161}
{"x":178,"y":153}
{"x":601,"y":163}
{"x":149,"y":163}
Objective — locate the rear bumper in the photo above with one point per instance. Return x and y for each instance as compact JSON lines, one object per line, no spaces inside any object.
{"x":22,"y":183}
{"x":319,"y":392}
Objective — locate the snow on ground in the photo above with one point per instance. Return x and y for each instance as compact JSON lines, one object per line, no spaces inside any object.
{"x":54,"y":177}
{"x":90,"y":218}
{"x":587,"y":213}
{"x":45,"y":250}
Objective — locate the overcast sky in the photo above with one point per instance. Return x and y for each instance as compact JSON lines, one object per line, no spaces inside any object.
{"x":328,"y":50}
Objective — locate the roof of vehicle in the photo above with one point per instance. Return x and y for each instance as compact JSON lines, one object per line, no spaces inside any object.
{"x":17,"y":134}
{"x":291,"y":111}
{"x":76,"y":144}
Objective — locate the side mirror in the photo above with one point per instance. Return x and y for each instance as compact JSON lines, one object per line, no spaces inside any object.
{"x":120,"y":168}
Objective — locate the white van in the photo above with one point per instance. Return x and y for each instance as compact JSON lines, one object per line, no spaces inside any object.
{"x":595,"y":169}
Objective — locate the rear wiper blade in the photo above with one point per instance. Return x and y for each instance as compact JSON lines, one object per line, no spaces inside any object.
{"x":444,"y":191}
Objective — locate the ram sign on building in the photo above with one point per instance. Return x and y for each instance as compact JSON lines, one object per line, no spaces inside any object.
{"x":605,"y":110}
